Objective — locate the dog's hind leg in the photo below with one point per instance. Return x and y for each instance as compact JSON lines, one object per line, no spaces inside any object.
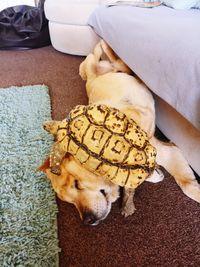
{"x":171,"y":158}
{"x":88,"y":69}
{"x":93,"y":66}
{"x":117,"y":63}
{"x":128,"y":207}
{"x":98,"y":52}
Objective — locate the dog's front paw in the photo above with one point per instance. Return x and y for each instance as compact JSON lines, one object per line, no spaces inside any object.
{"x":128,"y":210}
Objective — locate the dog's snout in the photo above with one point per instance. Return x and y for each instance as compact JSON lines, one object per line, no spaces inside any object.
{"x":90,"y":219}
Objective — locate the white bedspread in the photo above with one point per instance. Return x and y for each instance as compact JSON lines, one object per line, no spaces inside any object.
{"x":162,"y":46}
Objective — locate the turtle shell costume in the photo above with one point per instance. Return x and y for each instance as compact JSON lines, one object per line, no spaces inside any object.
{"x":105,"y":142}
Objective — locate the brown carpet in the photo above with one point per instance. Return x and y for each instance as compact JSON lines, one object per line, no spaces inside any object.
{"x":165,"y":229}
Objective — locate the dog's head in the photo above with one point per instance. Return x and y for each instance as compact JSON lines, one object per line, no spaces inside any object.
{"x":92,"y":195}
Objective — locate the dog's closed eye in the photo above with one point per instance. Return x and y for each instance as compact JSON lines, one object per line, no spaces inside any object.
{"x":103,"y":192}
{"x":77,"y":185}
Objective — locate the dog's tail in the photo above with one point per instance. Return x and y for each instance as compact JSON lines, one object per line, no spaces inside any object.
{"x":172,"y":159}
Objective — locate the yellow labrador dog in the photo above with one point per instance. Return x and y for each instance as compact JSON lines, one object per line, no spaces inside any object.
{"x":109,"y":81}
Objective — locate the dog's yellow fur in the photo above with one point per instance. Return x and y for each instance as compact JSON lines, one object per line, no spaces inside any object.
{"x":110,"y":82}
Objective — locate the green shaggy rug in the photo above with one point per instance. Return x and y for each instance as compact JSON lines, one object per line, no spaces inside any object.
{"x":28,"y":229}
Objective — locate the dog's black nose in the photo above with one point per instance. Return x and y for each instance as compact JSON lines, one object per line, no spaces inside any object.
{"x":89,"y":219}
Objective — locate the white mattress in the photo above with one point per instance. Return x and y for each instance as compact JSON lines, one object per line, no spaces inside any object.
{"x":67,"y":38}
{"x":69,"y":12}
{"x":69,"y":31}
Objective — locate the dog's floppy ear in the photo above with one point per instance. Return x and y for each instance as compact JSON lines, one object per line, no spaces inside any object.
{"x":45,"y":165}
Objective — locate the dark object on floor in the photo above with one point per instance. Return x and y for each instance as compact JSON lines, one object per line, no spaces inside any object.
{"x":23,"y":27}
{"x":160,"y":135}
